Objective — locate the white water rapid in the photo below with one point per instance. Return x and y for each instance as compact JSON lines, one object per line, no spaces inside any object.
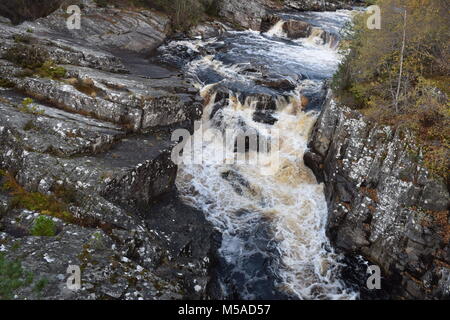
{"x":274,"y":243}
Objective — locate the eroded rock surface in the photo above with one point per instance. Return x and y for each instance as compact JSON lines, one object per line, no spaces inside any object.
{"x":20,"y":10}
{"x":96,"y":139}
{"x":246,"y":14}
{"x":319,"y":5}
{"x":383,"y":203}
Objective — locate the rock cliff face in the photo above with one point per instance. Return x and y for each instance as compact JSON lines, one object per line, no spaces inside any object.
{"x":20,"y":10}
{"x":319,"y":5}
{"x":250,"y":14}
{"x":383,"y":204}
{"x":245,"y":14}
{"x":93,"y":141}
{"x":136,"y":31}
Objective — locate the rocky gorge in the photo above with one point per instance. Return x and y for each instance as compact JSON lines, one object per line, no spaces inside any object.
{"x":97,"y":136}
{"x":383,"y":203}
{"x":86,"y":121}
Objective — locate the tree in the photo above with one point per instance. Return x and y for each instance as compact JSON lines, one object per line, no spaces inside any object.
{"x":400,"y":75}
{"x":402,"y":54}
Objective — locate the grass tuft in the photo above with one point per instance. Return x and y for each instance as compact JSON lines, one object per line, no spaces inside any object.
{"x":12,"y":277}
{"x":48,"y":205}
{"x":43,"y":227}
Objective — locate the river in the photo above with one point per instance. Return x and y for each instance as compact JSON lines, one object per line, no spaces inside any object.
{"x":273,"y":215}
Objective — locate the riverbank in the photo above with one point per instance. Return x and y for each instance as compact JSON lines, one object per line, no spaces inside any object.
{"x":383,"y":203}
{"x":88,"y":180}
{"x":106,"y":177}
{"x":84,"y":159}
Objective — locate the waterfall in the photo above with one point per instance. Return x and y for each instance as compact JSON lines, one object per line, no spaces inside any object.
{"x":277,"y":30}
{"x":319,"y":36}
{"x":273,"y":221}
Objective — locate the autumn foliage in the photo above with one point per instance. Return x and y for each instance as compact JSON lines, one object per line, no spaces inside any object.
{"x":409,"y":89}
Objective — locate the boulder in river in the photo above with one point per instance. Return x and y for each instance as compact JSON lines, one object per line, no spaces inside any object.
{"x":296,"y":29}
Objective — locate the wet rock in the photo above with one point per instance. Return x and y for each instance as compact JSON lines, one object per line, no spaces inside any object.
{"x":315,"y":162}
{"x":276,"y":82}
{"x":252,"y":276}
{"x":239,"y":183}
{"x":264,"y":117}
{"x":383,"y":204}
{"x":261,"y":102}
{"x":313,"y":97}
{"x":194,"y":257}
{"x":208,"y":30}
{"x":319,"y":5}
{"x":296,"y":29}
{"x":268,"y":22}
{"x":246,"y":14}
{"x":178,"y":54}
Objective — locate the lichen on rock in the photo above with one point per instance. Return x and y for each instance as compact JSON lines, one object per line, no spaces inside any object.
{"x":383,"y":202}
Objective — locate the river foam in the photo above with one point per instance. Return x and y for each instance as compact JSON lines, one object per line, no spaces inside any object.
{"x":273,"y":224}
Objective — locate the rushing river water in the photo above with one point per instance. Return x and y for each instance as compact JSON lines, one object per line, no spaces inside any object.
{"x":273,"y":223}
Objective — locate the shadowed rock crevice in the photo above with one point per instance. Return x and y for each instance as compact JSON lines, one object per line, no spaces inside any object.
{"x":20,"y":10}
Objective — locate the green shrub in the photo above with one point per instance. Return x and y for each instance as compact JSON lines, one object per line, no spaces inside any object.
{"x":44,"y":227}
{"x":47,"y":205}
{"x":374,"y":78}
{"x":40,"y":285}
{"x":50,"y":70}
{"x":30,"y":57}
{"x":27,"y":101}
{"x":22,"y":38}
{"x":27,"y":107}
{"x":12,"y":277}
{"x":35,"y":60}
